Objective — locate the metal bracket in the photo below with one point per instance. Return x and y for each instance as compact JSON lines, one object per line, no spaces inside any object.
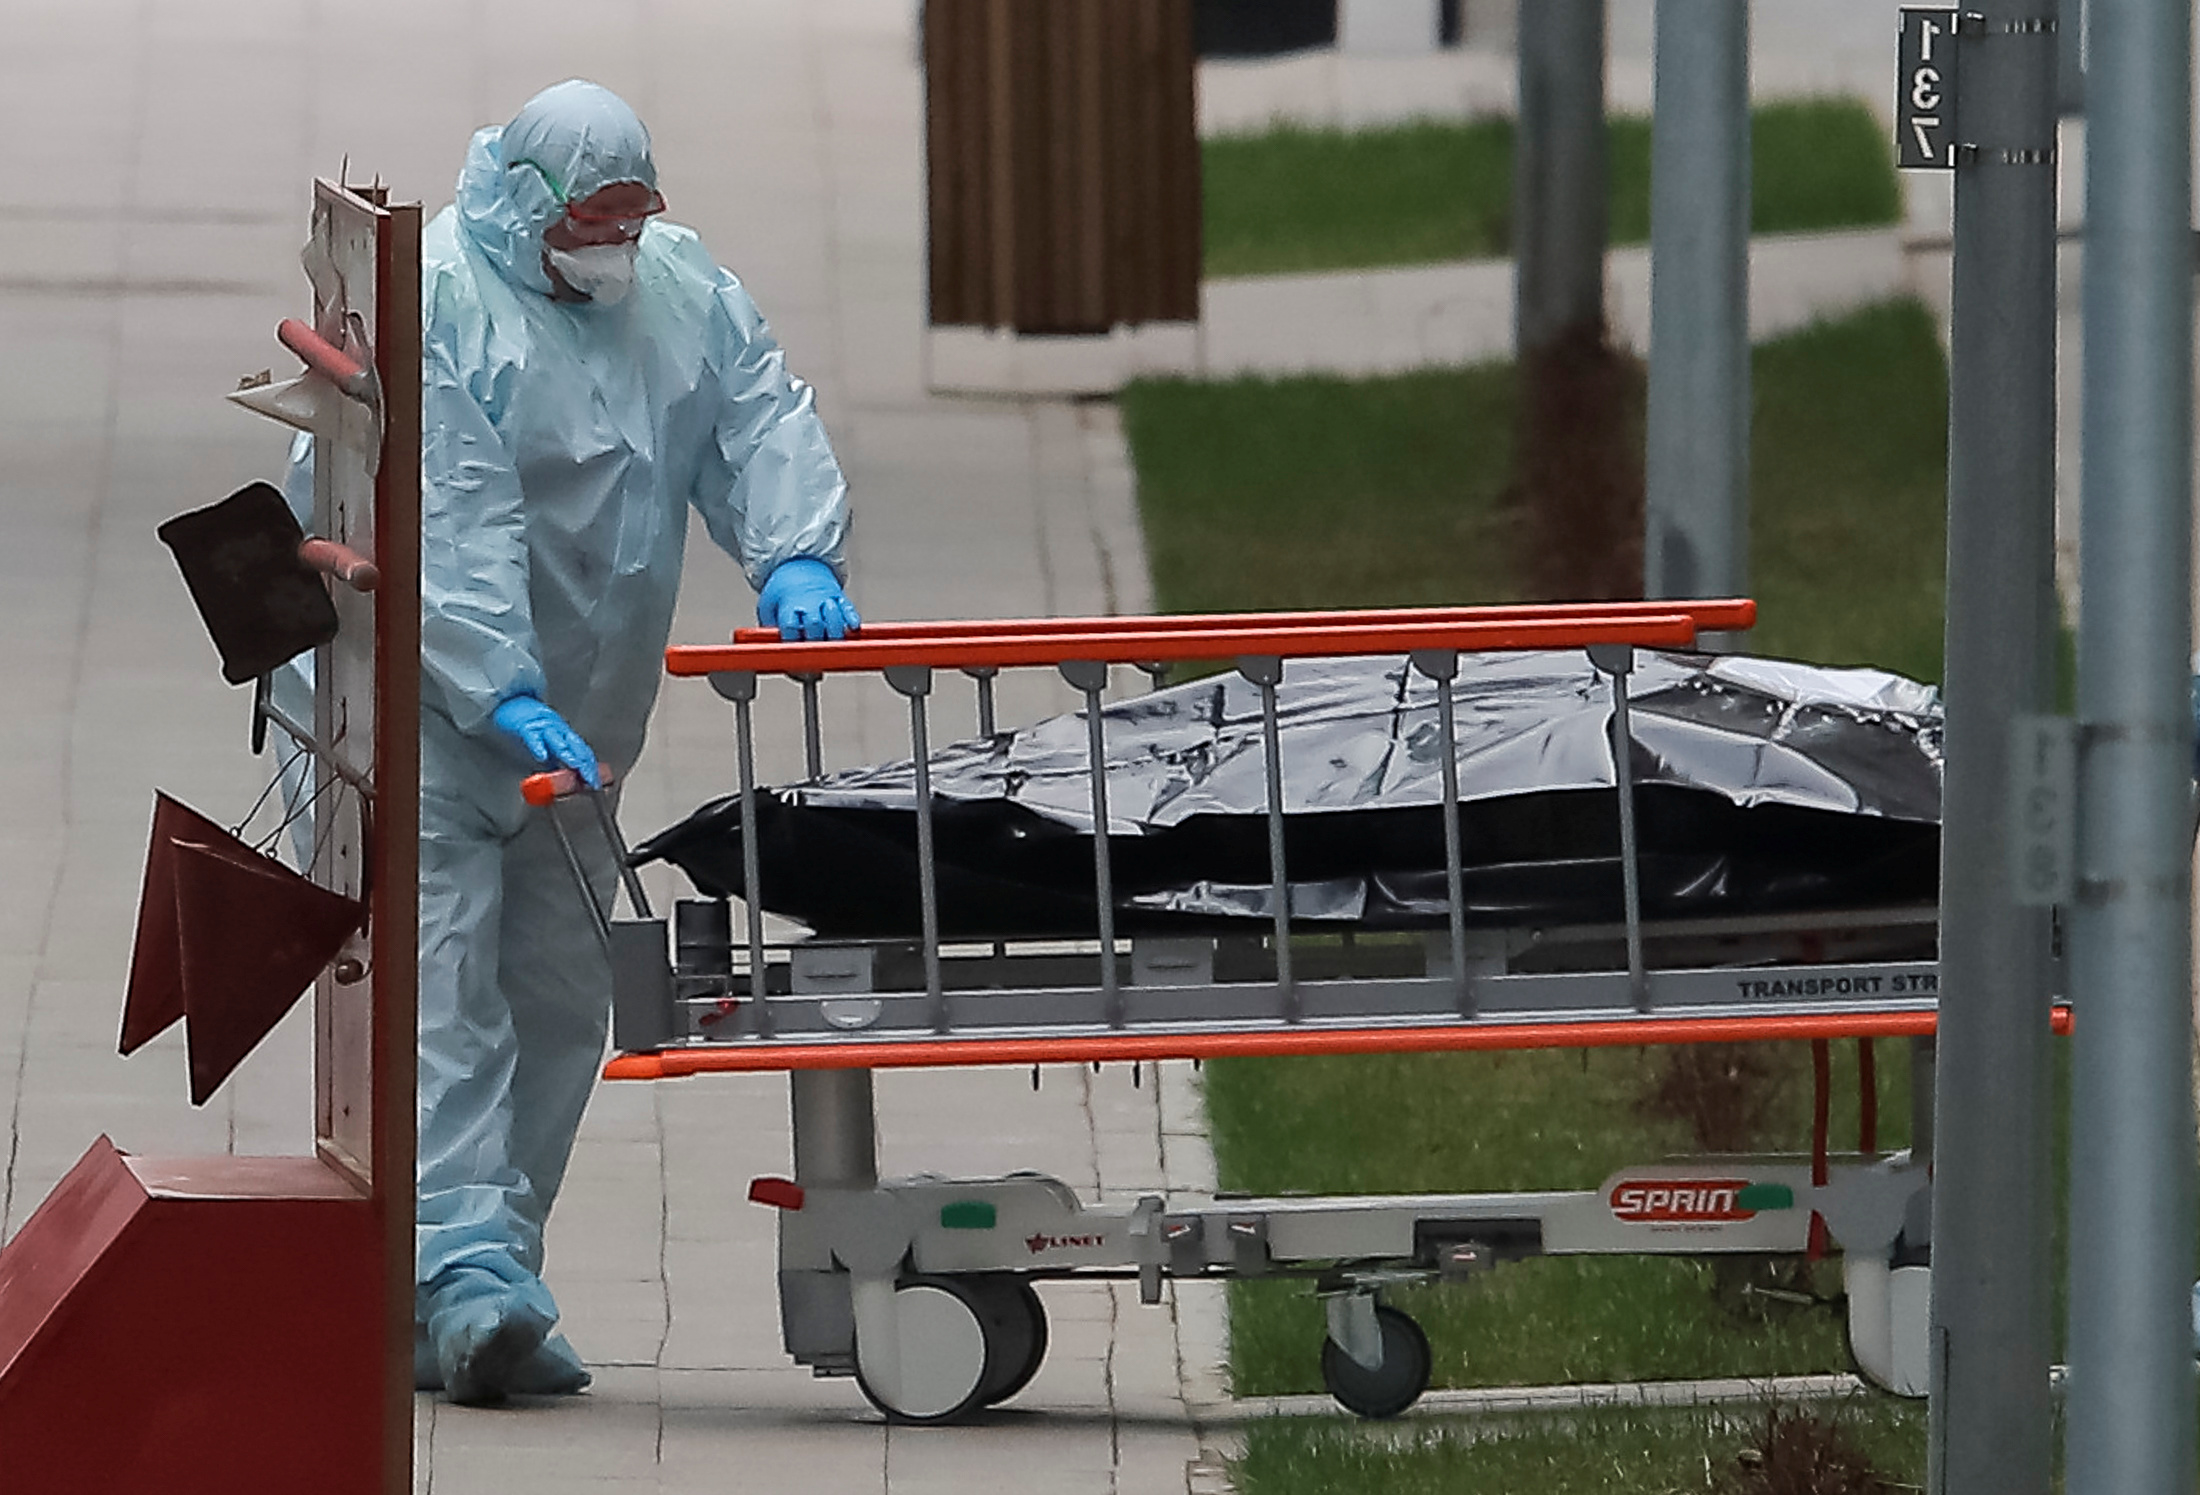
{"x":1613,"y":659}
{"x":1436,"y":664}
{"x":910,"y":679}
{"x":1187,"y":1251}
{"x":1261,"y":669}
{"x":734,"y":685}
{"x":1354,"y":1328}
{"x":1146,"y":1230}
{"x":1087,"y":675}
{"x":1248,"y":1245}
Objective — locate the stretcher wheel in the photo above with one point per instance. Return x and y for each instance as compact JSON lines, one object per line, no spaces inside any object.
{"x":945,"y":1352}
{"x":1015,"y":1335}
{"x":1397,"y":1385}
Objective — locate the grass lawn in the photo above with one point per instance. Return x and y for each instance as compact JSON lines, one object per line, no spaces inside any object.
{"x":1296,"y":199}
{"x":1633,"y":1452}
{"x":1323,"y":492}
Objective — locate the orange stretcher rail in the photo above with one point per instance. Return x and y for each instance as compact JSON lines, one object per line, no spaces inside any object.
{"x":673,"y":1064}
{"x":1725,"y":614}
{"x":865,"y":652}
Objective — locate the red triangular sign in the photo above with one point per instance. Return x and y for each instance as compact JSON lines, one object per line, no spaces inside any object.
{"x":252,"y":936}
{"x":154,"y":999}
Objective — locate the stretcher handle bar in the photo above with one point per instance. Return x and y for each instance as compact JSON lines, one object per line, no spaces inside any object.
{"x":332,"y":558}
{"x":540,"y":789}
{"x":862,"y":653}
{"x":544,"y":790}
{"x":918,"y":1053}
{"x":326,"y":359}
{"x":1723,"y":614}
{"x":599,"y":917}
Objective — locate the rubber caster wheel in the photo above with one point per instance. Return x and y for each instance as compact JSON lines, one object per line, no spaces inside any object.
{"x":1015,"y":1333}
{"x":1396,"y":1385}
{"x":941,"y":1325}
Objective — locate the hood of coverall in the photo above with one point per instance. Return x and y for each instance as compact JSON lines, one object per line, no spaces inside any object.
{"x":566,"y":143}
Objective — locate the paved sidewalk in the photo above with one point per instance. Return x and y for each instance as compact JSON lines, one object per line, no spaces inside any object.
{"x":1392,"y":320}
{"x":148,"y":245}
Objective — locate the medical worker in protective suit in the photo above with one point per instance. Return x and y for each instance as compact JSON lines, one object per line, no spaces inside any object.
{"x":590,"y":372}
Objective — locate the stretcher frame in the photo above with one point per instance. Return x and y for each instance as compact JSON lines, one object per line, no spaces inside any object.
{"x":920,"y":1288}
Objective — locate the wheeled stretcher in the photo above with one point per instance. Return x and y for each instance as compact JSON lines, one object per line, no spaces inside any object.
{"x":921,"y":1288}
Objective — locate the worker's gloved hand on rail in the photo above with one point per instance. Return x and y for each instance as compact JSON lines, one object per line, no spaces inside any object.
{"x":804,"y":600}
{"x":547,"y":737}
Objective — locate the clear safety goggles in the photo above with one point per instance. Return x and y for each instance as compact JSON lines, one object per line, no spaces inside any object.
{"x":627,"y":224}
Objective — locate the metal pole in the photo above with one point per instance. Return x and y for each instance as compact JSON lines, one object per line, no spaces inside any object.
{"x":739,"y":687}
{"x":1266,"y":672}
{"x":1559,"y":171}
{"x":1630,"y":855}
{"x":2070,"y":56}
{"x":813,"y":748}
{"x":835,"y":1131}
{"x":2131,"y":1174}
{"x":1991,"y":1414}
{"x":1442,"y":666}
{"x":915,"y":682}
{"x":1091,"y":677}
{"x":1696,"y":539}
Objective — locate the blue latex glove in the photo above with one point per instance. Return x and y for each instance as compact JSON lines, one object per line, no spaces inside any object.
{"x":547,"y":737}
{"x":803,"y":600}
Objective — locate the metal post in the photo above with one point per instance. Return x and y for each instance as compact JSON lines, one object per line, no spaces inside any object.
{"x":983,"y":675}
{"x":1091,"y":678}
{"x":1442,"y":666}
{"x":1559,"y":171}
{"x":1267,"y":674}
{"x":2131,"y":1174}
{"x":2070,"y":56}
{"x":813,"y":747}
{"x":1991,"y":1415}
{"x":835,"y":1134}
{"x":915,"y":682}
{"x":1618,"y":661}
{"x":739,"y":687}
{"x":1696,"y":538}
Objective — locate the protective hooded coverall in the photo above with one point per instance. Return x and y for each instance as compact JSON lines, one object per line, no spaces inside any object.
{"x":563,"y":441}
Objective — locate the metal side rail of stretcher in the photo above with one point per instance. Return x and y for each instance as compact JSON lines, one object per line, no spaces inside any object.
{"x":922,"y":1288}
{"x":829,"y":1005}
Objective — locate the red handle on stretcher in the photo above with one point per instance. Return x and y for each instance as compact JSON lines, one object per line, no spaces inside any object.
{"x":347,"y":565}
{"x":1665,"y":627}
{"x":540,"y":789}
{"x":325,"y":358}
{"x":1723,"y":614}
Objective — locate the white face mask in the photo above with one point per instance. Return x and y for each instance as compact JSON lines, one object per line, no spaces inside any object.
{"x":604,"y":273}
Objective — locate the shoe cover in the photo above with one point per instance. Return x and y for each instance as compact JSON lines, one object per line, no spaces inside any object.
{"x":427,"y":1375}
{"x":484,"y":1328}
{"x":554,"y":1369}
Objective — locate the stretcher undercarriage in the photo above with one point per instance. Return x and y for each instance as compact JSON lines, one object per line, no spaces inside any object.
{"x":922,"y":1288}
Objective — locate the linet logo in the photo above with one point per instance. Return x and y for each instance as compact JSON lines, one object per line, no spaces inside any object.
{"x":1039,"y":1243}
{"x":1680,"y":1200}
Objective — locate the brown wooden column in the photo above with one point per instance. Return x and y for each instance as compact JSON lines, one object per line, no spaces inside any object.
{"x":1063,"y":163}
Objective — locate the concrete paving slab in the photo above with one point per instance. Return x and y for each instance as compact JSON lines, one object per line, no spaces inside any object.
{"x":792,"y":136}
